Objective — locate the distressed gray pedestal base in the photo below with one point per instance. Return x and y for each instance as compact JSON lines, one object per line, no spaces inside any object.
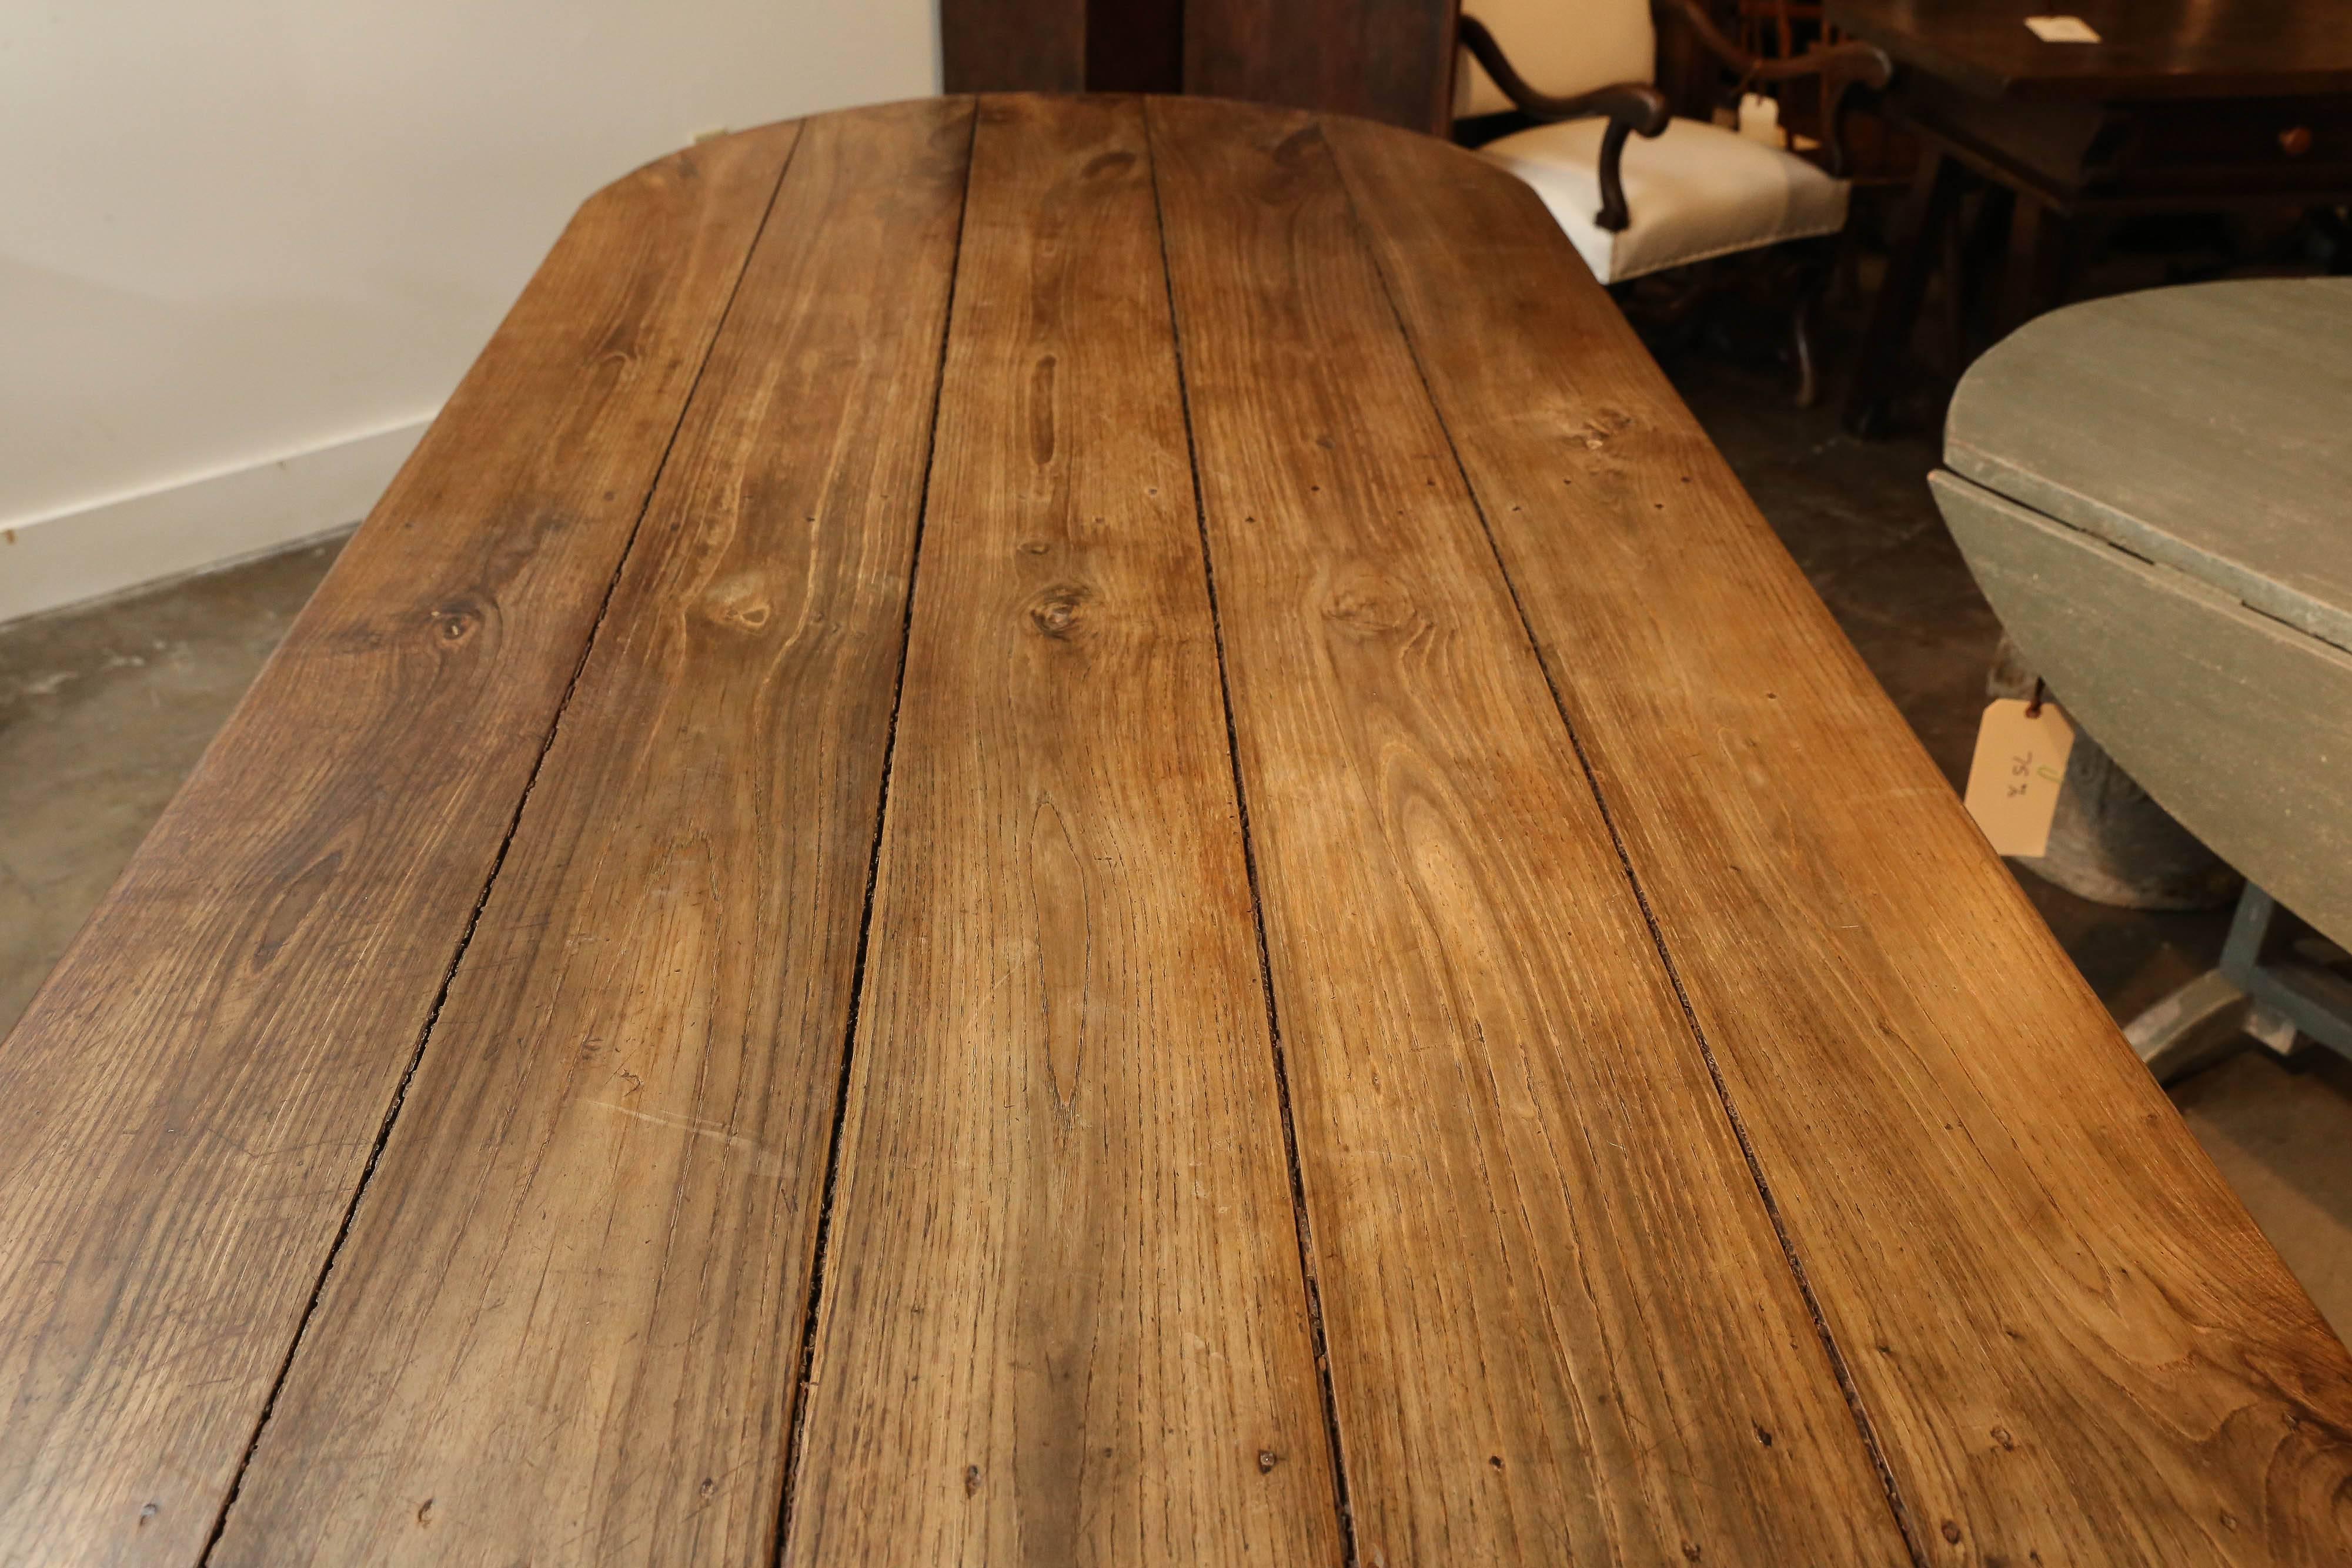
{"x":2279,"y":1003}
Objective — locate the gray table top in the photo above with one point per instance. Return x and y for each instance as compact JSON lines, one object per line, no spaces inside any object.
{"x":2206,"y":428}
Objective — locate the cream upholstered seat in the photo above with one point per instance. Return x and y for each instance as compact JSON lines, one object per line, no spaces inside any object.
{"x":1694,"y":192}
{"x":1691,"y":192}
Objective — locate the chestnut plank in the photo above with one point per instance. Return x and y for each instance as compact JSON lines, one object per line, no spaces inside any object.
{"x":1065,"y":1319}
{"x":2069,"y":1337}
{"x":1560,"y":1325}
{"x":567,"y":1323}
{"x":188,"y":1105}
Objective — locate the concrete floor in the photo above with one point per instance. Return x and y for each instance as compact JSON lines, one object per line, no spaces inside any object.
{"x":104,"y":710}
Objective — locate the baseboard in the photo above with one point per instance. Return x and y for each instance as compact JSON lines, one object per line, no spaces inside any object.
{"x":105,"y":547}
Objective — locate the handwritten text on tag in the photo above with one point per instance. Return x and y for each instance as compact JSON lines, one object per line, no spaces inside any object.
{"x":2013,"y":781}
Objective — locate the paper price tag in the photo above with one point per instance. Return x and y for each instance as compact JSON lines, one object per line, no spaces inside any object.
{"x":2062,"y":29}
{"x":2013,"y":781}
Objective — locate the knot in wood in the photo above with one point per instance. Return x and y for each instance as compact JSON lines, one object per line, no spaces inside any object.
{"x":1055,"y":612}
{"x":740,"y":601}
{"x":1366,"y":601}
{"x":1295,"y":148}
{"x":1604,"y":426}
{"x":455,"y":620}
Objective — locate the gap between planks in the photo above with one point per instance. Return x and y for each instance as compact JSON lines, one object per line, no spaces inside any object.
{"x":793,"y":1454}
{"x":498,"y":864}
{"x":1896,"y":1504}
{"x":804,"y":1379}
{"x":1302,"y":1221}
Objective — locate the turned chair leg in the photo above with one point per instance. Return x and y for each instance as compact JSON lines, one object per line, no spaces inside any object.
{"x":1816,"y":273}
{"x":1800,"y":337}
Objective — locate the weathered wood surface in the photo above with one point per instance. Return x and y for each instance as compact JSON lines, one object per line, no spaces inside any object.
{"x":1065,"y":1322}
{"x":2067,"y":1335}
{"x":1488,"y":1066}
{"x":2238,"y":726}
{"x":1670,"y":1123}
{"x":188,"y":1106}
{"x":2207,"y":428}
{"x":602,"y":1195}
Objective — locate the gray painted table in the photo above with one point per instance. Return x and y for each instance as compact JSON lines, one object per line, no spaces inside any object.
{"x":2154,"y":491}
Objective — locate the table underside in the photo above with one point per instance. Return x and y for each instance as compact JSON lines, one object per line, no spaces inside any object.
{"x":1085,"y":830}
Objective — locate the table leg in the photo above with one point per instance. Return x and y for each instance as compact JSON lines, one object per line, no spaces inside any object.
{"x":2280,"y":1003}
{"x":1935,"y":189}
{"x":1977,"y":259}
{"x":2040,"y":246}
{"x":2198,"y":1024}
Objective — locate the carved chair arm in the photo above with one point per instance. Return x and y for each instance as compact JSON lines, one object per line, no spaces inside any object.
{"x":1628,"y":106}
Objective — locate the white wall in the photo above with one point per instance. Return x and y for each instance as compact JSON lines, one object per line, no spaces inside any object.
{"x":247,"y":246}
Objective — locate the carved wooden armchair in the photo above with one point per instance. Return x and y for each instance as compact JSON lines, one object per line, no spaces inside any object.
{"x":1688,"y":191}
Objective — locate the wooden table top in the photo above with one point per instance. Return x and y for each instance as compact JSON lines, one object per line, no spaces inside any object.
{"x":1089,"y":832}
{"x":2147,"y":48}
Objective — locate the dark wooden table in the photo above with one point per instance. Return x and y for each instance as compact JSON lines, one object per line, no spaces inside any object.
{"x":1089,"y":832}
{"x":2190,"y":104}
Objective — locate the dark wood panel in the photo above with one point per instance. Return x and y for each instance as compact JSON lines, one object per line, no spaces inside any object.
{"x":1560,"y":1326}
{"x":1013,"y":46}
{"x":2067,"y":1335}
{"x":1063,"y":46}
{"x":1135,"y":45}
{"x":188,"y":1105}
{"x":1064,"y":1319}
{"x":567,"y":1323}
{"x":1390,"y":61}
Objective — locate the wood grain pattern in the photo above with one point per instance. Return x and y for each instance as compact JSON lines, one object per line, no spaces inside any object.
{"x":1065,"y":1323}
{"x":1702,"y":1153}
{"x":2068,"y":1335}
{"x":1560,"y":1326}
{"x":188,"y":1105}
{"x":567,"y":1323}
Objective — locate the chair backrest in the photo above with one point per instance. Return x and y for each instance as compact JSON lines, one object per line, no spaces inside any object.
{"x":1561,"y":47}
